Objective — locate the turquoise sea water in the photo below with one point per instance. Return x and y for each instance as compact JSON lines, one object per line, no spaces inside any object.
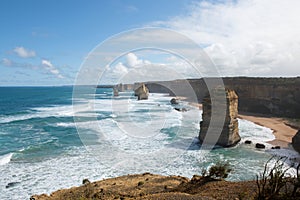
{"x":43,"y":149}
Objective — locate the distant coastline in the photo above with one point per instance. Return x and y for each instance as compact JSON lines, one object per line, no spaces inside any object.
{"x":273,"y":96}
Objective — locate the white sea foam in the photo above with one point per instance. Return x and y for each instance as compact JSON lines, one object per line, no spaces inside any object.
{"x":63,"y":124}
{"x":77,"y":164}
{"x":5,"y":158}
{"x":251,"y":131}
{"x":55,"y":111}
{"x":120,"y":153}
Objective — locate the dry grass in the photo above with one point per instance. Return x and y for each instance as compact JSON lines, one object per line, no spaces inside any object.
{"x":150,"y":186}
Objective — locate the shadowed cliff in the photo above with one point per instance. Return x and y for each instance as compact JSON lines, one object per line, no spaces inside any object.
{"x":273,"y":96}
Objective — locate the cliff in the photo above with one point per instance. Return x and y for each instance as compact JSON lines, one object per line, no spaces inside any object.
{"x":273,"y":96}
{"x":296,"y":142}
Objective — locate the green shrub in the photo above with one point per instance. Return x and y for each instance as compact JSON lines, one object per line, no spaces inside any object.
{"x":220,"y":170}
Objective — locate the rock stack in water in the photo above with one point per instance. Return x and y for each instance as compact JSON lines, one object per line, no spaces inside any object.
{"x":141,"y":92}
{"x":116,"y":92}
{"x":210,"y":130}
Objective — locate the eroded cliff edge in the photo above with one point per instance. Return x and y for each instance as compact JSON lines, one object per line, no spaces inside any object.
{"x":272,"y":96}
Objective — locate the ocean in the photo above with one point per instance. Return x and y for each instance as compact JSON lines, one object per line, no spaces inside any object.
{"x":44,"y":148}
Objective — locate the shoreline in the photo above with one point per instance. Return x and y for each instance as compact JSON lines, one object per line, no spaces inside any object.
{"x":282,"y":132}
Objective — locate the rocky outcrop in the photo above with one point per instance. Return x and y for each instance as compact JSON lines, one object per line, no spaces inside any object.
{"x":260,"y":146}
{"x":229,"y":132}
{"x":141,"y":92}
{"x":248,"y":142}
{"x":174,"y":101}
{"x":296,"y":142}
{"x":181,"y":109}
{"x":276,"y":147}
{"x":116,"y":92}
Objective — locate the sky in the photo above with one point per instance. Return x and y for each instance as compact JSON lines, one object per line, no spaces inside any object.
{"x":47,"y":42}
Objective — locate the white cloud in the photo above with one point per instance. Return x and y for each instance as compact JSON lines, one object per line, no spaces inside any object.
{"x":133,"y":61}
{"x":245,"y":37}
{"x":47,"y":65}
{"x":128,"y":71}
{"x":24,"y":53}
{"x":120,"y":69}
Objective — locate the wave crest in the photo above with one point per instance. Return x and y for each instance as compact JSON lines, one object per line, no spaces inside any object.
{"x":5,"y":158}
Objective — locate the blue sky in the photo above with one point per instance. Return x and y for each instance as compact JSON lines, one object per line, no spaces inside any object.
{"x":45,"y":42}
{"x":64,"y":32}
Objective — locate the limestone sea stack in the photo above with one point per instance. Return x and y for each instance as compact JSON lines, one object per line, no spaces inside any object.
{"x":229,"y":135}
{"x":116,"y":92}
{"x":142,"y":92}
{"x":296,"y":142}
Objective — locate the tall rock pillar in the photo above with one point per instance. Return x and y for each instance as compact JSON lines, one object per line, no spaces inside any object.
{"x":142,"y":92}
{"x":229,"y":132}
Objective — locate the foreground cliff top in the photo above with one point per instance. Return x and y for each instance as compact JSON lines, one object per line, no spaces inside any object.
{"x":150,"y":186}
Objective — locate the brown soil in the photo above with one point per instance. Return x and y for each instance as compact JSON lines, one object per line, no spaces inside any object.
{"x":149,"y":186}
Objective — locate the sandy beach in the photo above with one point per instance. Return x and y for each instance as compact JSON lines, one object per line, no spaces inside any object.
{"x":282,"y":132}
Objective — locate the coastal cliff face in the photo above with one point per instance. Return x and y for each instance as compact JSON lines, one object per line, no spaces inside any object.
{"x":296,"y":142}
{"x":273,"y":96}
{"x":230,"y":132}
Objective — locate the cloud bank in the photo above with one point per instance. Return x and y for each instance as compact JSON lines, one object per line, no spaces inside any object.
{"x":135,"y":69}
{"x":245,"y":37}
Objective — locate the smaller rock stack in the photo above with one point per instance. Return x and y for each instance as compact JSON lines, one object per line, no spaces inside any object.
{"x":229,"y":135}
{"x":142,"y":92}
{"x":116,"y":92}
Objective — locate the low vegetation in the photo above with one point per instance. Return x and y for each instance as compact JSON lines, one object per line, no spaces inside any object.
{"x":275,"y":183}
{"x":219,"y":171}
